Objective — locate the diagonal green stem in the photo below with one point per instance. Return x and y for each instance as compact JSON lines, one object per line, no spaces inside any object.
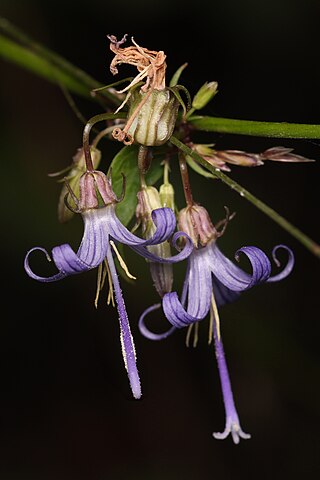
{"x":257,"y":129}
{"x":9,"y":50}
{"x":24,"y":51}
{"x":294,"y":231}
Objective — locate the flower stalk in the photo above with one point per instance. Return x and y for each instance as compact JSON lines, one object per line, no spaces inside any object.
{"x":86,"y":134}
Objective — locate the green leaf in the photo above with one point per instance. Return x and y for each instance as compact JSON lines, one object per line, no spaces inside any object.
{"x":125,"y":162}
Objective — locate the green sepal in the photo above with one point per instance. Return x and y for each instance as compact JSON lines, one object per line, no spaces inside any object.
{"x":176,"y":76}
{"x":175,"y":91}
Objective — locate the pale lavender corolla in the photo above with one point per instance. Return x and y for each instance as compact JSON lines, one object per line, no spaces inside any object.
{"x":97,"y":203}
{"x":212,"y":279}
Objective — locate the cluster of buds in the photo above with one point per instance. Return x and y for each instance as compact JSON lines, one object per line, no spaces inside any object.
{"x":221,"y":158}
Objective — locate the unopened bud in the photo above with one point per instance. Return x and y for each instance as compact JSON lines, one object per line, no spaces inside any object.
{"x":95,"y":191}
{"x":155,"y":120}
{"x":238,"y":157}
{"x":161,"y":273}
{"x":205,"y":95}
{"x":283,"y":154}
{"x":209,"y":155}
{"x":77,"y":169}
{"x":196,"y":223}
{"x":148,"y":200}
{"x":166,"y":192}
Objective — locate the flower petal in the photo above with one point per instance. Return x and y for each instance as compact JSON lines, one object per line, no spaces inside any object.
{"x":128,"y":348}
{"x":65,"y":259}
{"x":164,"y":220}
{"x":53,"y":278}
{"x":185,"y":252}
{"x":91,"y":253}
{"x":287,"y":269}
{"x":199,"y":293}
{"x":232,"y":276}
{"x":95,"y":240}
{"x":146,"y":332}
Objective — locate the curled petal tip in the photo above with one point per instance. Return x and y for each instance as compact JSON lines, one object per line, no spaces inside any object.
{"x":288,"y":267}
{"x":29,"y":271}
{"x":146,"y":332}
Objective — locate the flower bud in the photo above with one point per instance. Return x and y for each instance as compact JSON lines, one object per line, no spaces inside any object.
{"x":283,"y":154}
{"x":154,"y":122}
{"x":77,"y":169}
{"x":195,"y":221}
{"x":238,"y":157}
{"x":95,"y":190}
{"x":161,"y":273}
{"x":205,"y":95}
{"x":148,"y":200}
{"x":166,"y":192}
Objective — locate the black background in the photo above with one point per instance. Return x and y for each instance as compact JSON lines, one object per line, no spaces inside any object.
{"x":65,"y":405}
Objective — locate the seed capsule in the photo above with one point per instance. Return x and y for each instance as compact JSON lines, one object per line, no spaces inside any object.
{"x":155,"y":120}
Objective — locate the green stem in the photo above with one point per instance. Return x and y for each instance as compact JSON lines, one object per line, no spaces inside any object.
{"x":22,"y":55}
{"x":294,"y":231}
{"x":253,"y":128}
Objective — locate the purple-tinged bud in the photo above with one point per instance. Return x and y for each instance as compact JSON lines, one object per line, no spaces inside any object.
{"x":161,"y":273}
{"x":282,"y":154}
{"x":209,"y":155}
{"x":204,"y":95}
{"x":77,"y":169}
{"x":155,"y":120}
{"x":195,"y":221}
{"x":238,"y":157}
{"x":95,"y":190}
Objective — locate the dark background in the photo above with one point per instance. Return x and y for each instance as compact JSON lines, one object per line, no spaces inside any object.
{"x":65,"y":405}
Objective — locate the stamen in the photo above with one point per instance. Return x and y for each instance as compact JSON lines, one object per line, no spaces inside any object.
{"x":99,"y":286}
{"x":215,"y":314}
{"x":103,"y":270}
{"x":189,"y":334}
{"x":121,"y":261}
{"x":195,"y":335}
{"x":111,"y":291}
{"x":210,"y":332}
